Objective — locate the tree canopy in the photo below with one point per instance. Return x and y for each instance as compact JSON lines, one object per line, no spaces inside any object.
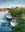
{"x":20,"y":12}
{"x":16,"y":11}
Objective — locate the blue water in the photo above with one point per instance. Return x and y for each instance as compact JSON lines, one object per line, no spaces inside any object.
{"x":5,"y":26}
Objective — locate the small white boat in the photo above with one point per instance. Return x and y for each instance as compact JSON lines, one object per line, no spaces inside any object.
{"x":8,"y":16}
{"x":13,"y":24}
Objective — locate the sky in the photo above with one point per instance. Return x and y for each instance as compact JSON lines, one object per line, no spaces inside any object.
{"x":11,"y":3}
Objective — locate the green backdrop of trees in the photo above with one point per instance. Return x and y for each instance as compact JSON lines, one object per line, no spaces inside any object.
{"x":20,"y":12}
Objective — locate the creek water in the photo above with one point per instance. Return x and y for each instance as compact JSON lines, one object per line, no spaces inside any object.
{"x":4,"y":23}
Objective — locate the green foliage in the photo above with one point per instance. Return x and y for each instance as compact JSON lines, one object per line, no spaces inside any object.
{"x":17,"y":11}
{"x":23,"y":16}
{"x":20,"y":27}
{"x":13,"y":12}
{"x":20,"y":12}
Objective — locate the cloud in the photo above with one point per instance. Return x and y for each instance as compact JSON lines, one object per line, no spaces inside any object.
{"x":12,"y":3}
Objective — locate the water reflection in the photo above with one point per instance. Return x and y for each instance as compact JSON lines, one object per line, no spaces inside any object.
{"x":5,"y":23}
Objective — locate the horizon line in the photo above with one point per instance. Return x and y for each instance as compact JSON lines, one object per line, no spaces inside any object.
{"x":12,"y":6}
